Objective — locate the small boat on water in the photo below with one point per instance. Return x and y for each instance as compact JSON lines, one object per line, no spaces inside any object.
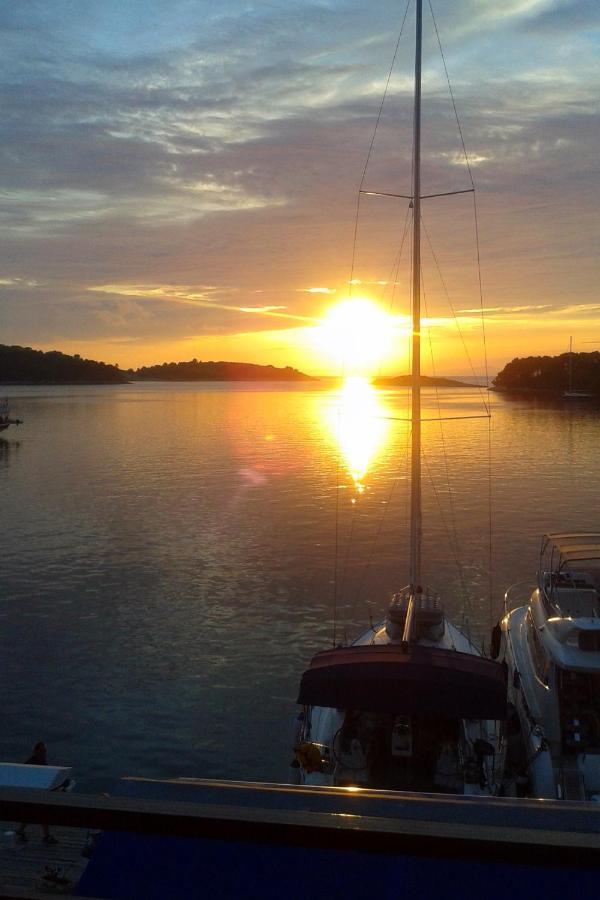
{"x":5,"y":419}
{"x":411,"y":704}
{"x":578,"y":395}
{"x":551,"y":645}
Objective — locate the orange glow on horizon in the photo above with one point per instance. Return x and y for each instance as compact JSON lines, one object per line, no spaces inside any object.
{"x":319,"y":346}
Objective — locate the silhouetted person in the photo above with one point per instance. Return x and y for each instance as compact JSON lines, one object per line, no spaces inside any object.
{"x":38,"y":758}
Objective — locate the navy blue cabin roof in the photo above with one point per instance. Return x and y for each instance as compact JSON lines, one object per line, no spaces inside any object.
{"x":426,"y":681}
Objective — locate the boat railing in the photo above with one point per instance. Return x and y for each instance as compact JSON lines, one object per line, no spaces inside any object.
{"x":518,"y":594}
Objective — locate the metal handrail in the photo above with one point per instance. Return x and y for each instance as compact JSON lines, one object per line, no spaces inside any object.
{"x":522,"y":600}
{"x":290,"y":818}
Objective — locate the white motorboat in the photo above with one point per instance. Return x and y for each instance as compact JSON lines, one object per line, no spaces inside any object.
{"x":551,"y":645}
{"x":411,"y":704}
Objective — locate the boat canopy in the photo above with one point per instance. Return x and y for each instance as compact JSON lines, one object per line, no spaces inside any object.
{"x":423,"y":681}
{"x":573,"y":547}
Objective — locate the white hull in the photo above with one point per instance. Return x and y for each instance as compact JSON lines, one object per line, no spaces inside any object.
{"x":551,"y":646}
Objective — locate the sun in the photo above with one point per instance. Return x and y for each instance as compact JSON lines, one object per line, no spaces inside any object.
{"x":357,"y":336}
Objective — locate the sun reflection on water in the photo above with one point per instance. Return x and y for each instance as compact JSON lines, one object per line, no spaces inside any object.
{"x":359,"y":424}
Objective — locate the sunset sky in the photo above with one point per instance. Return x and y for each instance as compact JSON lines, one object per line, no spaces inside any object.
{"x":179,"y":179}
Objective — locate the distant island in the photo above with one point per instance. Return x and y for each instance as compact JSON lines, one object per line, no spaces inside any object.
{"x":195,"y":370}
{"x":550,"y":374}
{"x":23,"y":365}
{"x":424,"y":381}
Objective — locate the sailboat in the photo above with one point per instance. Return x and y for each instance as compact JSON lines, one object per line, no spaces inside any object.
{"x":5,"y":419}
{"x":411,"y":704}
{"x":571,"y":394}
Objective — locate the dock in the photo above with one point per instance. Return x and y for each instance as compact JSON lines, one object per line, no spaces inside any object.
{"x":35,"y":868}
{"x":187,"y":838}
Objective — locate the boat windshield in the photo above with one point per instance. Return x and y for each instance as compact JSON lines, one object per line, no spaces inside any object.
{"x":570,"y":567}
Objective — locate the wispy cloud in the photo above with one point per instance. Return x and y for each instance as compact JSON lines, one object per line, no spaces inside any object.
{"x":319,"y":290}
{"x":506,"y":310}
{"x":261,"y":309}
{"x":18,"y":282}
{"x":204,"y":296}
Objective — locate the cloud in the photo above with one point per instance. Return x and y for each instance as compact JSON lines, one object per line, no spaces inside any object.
{"x":196,"y":296}
{"x":549,"y":310}
{"x":261,"y":309}
{"x":505,"y":310}
{"x":319,"y":290}
{"x":18,"y":282}
{"x":160,"y":163}
{"x":187,"y":294}
{"x":563,"y":17}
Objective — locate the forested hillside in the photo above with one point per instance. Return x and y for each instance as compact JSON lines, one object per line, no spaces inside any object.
{"x":195,"y":370}
{"x":22,"y":365}
{"x":551,"y":373}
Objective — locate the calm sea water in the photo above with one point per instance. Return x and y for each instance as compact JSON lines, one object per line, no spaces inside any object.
{"x":168,"y":553}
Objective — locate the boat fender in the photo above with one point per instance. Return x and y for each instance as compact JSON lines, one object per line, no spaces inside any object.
{"x":309,"y":757}
{"x":496,"y":641}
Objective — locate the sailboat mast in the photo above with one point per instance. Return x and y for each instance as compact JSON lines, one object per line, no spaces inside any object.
{"x":415,"y":504}
{"x":571,"y":363}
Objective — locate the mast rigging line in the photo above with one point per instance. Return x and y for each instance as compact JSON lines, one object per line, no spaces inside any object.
{"x":336,"y":586}
{"x":371,"y":145}
{"x":449,"y":536}
{"x":466,"y":155}
{"x":487,"y":405}
{"x":485,"y":402}
{"x":450,"y":91}
{"x":455,"y":541}
{"x":383,"y":99}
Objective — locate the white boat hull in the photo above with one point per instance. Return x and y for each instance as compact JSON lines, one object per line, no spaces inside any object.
{"x":551,"y":645}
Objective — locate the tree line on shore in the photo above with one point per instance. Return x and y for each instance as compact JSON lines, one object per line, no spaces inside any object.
{"x":23,"y":365}
{"x":551,"y":374}
{"x":194,"y":370}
